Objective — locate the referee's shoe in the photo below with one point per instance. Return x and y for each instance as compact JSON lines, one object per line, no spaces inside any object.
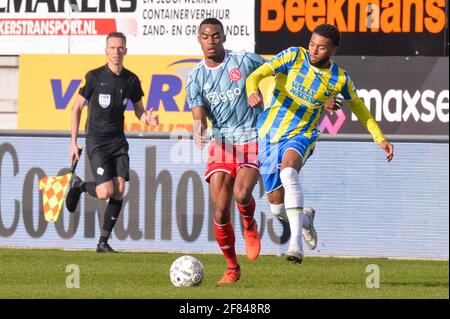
{"x":104,"y":247}
{"x":74,"y":193}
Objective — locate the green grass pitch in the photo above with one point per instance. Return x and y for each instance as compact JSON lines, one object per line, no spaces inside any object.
{"x":39,"y":273}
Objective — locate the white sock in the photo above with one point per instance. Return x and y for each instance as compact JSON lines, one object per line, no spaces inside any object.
{"x":279,"y":211}
{"x":306,"y":220}
{"x":293,"y":201}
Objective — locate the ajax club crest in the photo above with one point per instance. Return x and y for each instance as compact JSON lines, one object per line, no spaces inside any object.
{"x":235,"y":75}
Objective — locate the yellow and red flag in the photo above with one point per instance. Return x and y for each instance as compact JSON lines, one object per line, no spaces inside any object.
{"x":53,"y":190}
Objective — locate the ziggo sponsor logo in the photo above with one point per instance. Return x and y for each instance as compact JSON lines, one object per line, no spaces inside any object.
{"x":162,"y":93}
{"x":229,"y":95}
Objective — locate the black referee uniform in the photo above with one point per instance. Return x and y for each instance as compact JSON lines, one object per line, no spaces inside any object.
{"x":108,"y":95}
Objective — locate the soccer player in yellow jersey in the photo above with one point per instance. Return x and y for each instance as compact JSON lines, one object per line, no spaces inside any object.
{"x":288,"y":127}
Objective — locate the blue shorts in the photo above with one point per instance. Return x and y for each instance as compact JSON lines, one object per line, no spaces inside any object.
{"x":271,"y":155}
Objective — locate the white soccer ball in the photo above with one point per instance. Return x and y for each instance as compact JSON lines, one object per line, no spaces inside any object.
{"x":186,"y":271}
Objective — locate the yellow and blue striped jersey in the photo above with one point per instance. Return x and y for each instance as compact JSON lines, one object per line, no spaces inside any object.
{"x":300,"y":93}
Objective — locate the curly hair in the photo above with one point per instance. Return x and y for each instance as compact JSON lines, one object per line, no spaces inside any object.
{"x":329,"y":31}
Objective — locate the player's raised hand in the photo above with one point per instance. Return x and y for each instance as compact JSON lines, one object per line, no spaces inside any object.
{"x":255,"y":100}
{"x":334,"y":104}
{"x":388,"y":148}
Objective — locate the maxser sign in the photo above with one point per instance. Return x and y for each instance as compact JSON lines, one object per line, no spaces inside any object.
{"x":406,"y":96}
{"x":369,"y":27}
{"x":152,"y":26}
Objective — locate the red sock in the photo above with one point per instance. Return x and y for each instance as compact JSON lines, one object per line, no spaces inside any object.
{"x":247,"y":212}
{"x":225,"y":238}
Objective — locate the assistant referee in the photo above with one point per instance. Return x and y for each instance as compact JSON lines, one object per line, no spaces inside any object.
{"x":107,"y":90}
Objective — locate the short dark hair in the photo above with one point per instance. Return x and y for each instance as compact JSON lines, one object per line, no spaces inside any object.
{"x":329,"y":31}
{"x":213,"y":21}
{"x":116,"y":35}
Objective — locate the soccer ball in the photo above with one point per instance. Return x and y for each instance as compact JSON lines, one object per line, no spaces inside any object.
{"x":186,"y":271}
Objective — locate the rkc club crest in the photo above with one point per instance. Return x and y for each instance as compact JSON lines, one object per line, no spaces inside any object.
{"x":330,"y":89}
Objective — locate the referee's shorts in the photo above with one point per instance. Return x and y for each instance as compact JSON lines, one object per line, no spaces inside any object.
{"x":108,"y":160}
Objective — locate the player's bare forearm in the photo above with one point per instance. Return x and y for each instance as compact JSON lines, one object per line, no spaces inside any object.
{"x":74,"y":126}
{"x":200,"y":126}
{"x":77,"y":109}
{"x":199,"y":133}
{"x":139,"y":111}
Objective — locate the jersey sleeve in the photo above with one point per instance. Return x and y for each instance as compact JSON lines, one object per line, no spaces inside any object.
{"x":87,"y":86}
{"x":255,"y":60}
{"x":136,"y":92}
{"x":284,"y":60}
{"x":357,"y":106}
{"x":252,"y":82}
{"x":193,"y":92}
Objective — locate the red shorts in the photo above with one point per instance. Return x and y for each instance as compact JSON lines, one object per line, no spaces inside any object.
{"x":229,"y":158}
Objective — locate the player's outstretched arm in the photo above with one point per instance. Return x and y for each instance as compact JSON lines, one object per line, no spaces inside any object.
{"x":77,"y":109}
{"x":365,"y":117}
{"x":357,"y":106}
{"x":252,"y":84}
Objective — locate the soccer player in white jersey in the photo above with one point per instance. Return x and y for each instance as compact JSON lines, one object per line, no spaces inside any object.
{"x":216,"y":90}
